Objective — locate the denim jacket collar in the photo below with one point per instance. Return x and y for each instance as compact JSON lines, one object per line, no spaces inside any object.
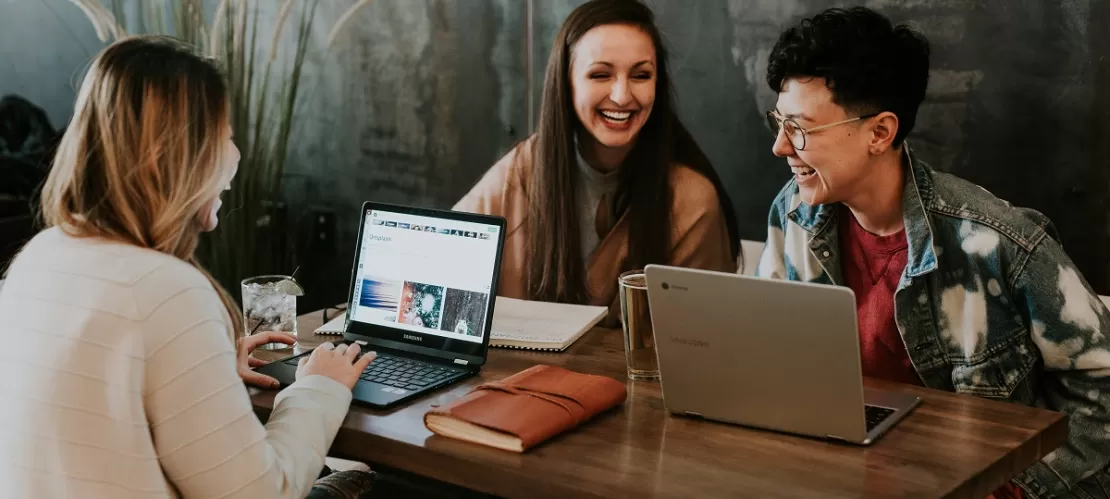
{"x":917,"y":193}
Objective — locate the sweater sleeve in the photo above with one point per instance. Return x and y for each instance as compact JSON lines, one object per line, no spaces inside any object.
{"x":700,"y":235}
{"x":206,"y":435}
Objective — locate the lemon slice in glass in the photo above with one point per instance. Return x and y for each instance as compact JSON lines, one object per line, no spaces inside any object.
{"x":290,"y":287}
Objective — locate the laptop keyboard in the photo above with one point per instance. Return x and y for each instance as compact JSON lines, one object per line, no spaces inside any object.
{"x":403,"y":372}
{"x":875,"y":415}
{"x":406,"y":373}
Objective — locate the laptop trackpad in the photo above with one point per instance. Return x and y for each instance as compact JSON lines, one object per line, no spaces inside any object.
{"x":376,"y":393}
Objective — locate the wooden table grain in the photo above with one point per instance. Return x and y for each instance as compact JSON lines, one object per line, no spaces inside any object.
{"x":950,"y":446}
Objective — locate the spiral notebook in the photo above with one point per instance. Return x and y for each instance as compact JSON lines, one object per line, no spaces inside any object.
{"x":530,"y":325}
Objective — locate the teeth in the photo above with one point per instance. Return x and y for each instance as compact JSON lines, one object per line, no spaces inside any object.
{"x":802,"y":170}
{"x":616,"y":116}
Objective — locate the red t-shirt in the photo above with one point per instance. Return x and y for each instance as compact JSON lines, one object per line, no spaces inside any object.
{"x":872,"y":267}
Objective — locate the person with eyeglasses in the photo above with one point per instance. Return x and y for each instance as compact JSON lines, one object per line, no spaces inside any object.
{"x":956,"y":289}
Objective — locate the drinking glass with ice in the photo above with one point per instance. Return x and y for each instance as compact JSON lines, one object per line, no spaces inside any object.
{"x":270,"y":304}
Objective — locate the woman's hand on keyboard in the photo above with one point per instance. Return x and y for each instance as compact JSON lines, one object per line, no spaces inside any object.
{"x":245,"y":363}
{"x":340,"y":363}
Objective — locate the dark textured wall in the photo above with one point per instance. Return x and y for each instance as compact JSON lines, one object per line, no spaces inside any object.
{"x":414,"y":103}
{"x":44,"y":49}
{"x":419,"y":97}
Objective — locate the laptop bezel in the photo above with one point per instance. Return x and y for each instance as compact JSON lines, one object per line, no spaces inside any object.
{"x":379,"y":336}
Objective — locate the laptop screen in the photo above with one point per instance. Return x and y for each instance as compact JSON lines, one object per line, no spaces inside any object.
{"x":428,"y":277}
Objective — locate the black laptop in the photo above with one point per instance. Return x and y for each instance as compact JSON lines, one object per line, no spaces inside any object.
{"x":422,"y":293}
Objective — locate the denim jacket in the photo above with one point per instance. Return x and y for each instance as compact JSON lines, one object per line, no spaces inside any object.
{"x":989,"y":304}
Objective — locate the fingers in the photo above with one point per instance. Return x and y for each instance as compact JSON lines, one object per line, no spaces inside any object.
{"x":341,"y":349}
{"x":352,"y":353}
{"x":253,"y":362}
{"x":259,"y":380}
{"x":258,"y":339}
{"x":365,"y":361}
{"x":303,"y":361}
{"x":251,"y":342}
{"x":279,"y":337}
{"x":325,"y":346}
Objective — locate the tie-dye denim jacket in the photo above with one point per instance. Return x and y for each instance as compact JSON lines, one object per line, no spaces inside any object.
{"x":989,"y":304}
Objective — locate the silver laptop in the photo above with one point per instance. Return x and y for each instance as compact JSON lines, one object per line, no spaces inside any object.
{"x":772,"y":354}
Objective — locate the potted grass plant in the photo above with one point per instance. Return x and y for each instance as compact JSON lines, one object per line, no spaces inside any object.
{"x":264,"y":71}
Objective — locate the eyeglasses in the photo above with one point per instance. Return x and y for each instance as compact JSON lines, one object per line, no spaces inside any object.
{"x":795,"y":133}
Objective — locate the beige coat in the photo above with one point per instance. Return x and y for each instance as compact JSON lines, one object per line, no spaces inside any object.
{"x":698,"y":233}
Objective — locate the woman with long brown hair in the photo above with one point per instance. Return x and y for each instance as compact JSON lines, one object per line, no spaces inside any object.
{"x":122,"y":377}
{"x":611,"y":181}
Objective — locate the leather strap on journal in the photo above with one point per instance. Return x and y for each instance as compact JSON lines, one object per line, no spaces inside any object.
{"x":573,"y":407}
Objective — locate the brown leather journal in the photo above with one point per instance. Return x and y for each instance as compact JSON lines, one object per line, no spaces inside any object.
{"x":527,"y":408}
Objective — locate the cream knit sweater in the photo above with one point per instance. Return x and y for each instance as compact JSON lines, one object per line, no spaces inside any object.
{"x":119,"y":381}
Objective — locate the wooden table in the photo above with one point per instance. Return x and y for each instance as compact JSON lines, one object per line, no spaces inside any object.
{"x":951,"y":446}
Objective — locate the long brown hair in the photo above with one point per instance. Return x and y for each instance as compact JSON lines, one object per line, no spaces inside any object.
{"x":556,"y":269}
{"x":141,"y":156}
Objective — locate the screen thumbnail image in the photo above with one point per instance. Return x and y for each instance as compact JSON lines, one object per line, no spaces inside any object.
{"x":380,"y":294}
{"x":464,"y":311}
{"x":421,"y":305}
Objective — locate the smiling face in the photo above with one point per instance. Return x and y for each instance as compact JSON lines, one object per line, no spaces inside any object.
{"x":229,"y":166}
{"x":835,"y":160}
{"x":613,"y":80}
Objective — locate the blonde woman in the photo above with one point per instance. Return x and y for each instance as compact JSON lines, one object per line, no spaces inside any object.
{"x":120,"y":371}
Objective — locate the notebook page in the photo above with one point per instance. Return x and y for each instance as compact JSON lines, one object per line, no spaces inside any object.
{"x":334,"y":326}
{"x":542,"y":322}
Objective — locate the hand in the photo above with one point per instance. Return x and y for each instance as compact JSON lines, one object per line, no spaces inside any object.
{"x":339,"y":362}
{"x":245,"y":362}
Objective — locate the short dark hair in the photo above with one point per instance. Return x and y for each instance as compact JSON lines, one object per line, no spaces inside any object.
{"x":868,"y":63}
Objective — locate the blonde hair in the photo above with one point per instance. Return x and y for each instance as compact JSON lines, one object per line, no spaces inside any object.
{"x":141,"y":157}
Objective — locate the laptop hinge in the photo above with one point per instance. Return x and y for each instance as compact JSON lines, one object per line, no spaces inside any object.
{"x":462,"y":362}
